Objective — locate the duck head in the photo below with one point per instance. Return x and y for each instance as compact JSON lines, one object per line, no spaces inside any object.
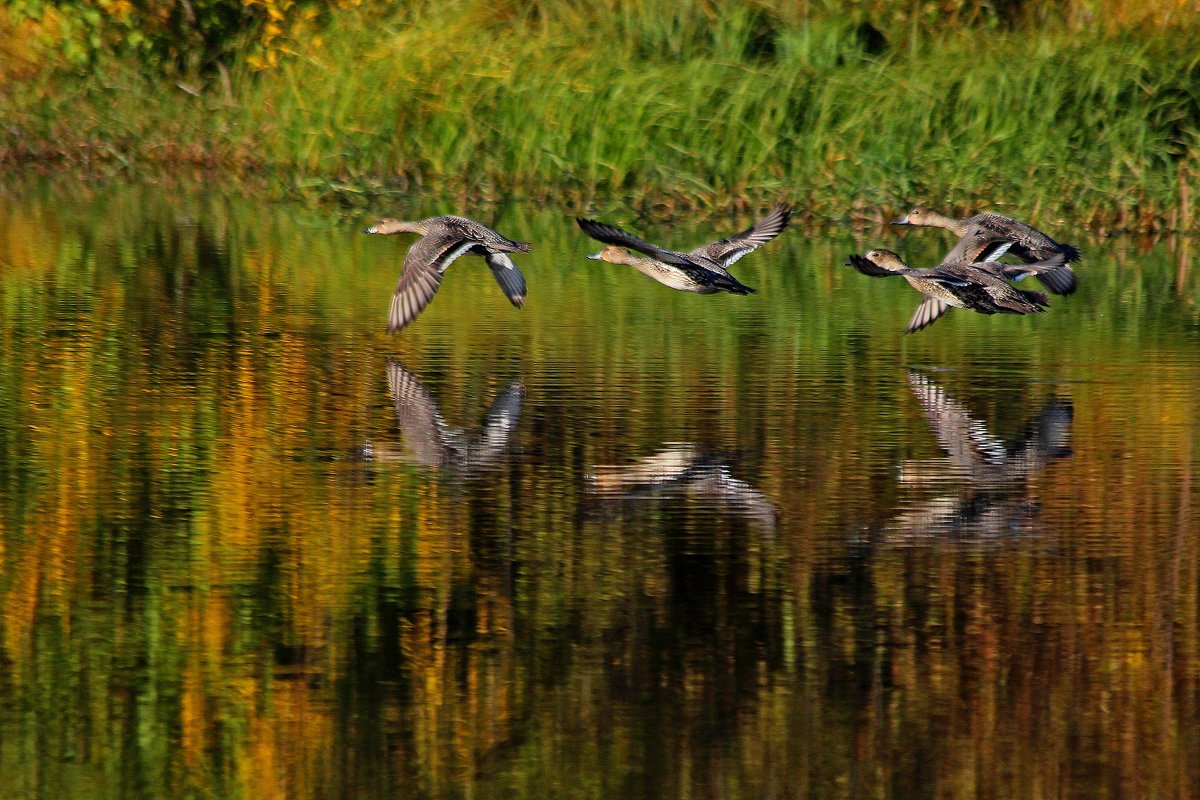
{"x":877,"y":262}
{"x":918,"y":216}
{"x":613,"y":255}
{"x":886,"y":259}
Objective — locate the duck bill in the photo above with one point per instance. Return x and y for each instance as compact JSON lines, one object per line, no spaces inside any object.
{"x":902,"y":221}
{"x":594,"y":256}
{"x":371,"y":229}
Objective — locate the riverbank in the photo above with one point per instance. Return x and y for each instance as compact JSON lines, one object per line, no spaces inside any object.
{"x":574,"y":105}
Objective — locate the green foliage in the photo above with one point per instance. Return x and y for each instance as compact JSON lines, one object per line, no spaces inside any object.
{"x":704,"y":102}
{"x":651,"y":105}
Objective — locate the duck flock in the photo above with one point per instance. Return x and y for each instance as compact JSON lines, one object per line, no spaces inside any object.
{"x":971,"y":276}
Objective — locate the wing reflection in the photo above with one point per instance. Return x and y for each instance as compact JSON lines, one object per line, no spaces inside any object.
{"x":681,"y":469}
{"x":430,"y":442}
{"x":992,"y":497}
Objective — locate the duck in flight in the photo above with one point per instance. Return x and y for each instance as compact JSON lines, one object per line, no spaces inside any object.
{"x":704,"y":270}
{"x":430,"y":442}
{"x":979,"y":287}
{"x":682,"y":469}
{"x":983,"y":487}
{"x":982,"y":235}
{"x":444,"y":239}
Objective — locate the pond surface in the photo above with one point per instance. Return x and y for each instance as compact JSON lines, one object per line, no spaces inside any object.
{"x":626,"y":542}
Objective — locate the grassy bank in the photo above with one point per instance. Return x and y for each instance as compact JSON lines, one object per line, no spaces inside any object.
{"x":697,"y":104}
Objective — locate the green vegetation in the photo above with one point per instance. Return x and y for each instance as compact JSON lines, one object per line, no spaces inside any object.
{"x":860,"y":112}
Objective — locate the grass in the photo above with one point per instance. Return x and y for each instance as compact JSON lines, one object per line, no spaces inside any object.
{"x":668,"y":104}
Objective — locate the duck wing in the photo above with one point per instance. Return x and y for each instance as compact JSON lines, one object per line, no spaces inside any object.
{"x":727,"y":251}
{"x":1029,"y":243}
{"x":990,"y":236}
{"x":1017,"y":272}
{"x":1047,"y":436}
{"x":1054,"y":272}
{"x":492,"y":438}
{"x":979,"y":244}
{"x":424,"y":431}
{"x":967,"y":440}
{"x":424,"y":266}
{"x":928,"y":312}
{"x":1060,"y":280}
{"x":511,"y":281}
{"x":610,"y":234}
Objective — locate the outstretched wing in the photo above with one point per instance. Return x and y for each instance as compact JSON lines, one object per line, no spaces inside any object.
{"x":1055,"y":265}
{"x":978,"y":244}
{"x":1054,"y":272}
{"x":417,"y":413}
{"x":949,"y":275}
{"x":968,"y":442}
{"x":930,"y":310}
{"x":511,"y":281}
{"x":1026,"y":243}
{"x":424,"y":266}
{"x":610,"y":234}
{"x":728,"y":250}
{"x":492,"y":438}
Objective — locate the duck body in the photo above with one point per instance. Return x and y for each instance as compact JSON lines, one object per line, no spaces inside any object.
{"x":694,"y":276}
{"x":443,"y":240}
{"x":980,"y":287}
{"x":982,"y":234}
{"x":982,"y":488}
{"x":704,"y":270}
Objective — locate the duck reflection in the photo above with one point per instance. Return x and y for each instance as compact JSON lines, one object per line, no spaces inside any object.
{"x":430,"y":442}
{"x":682,"y":469}
{"x":993,"y":498}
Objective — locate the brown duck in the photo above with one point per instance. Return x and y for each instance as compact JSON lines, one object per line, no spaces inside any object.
{"x":979,"y":287}
{"x":982,"y":235}
{"x":443,"y":239}
{"x":704,"y":270}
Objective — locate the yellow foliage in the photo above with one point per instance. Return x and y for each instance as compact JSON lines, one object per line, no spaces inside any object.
{"x":291,"y":27}
{"x":17,"y":56}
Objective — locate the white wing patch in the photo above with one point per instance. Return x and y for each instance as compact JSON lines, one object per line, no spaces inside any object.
{"x":449,"y":258}
{"x":736,"y":256}
{"x":999,"y":251}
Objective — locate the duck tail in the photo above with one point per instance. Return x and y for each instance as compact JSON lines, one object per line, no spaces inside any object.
{"x":1059,"y":281}
{"x":734,"y":286}
{"x":506,"y":245}
{"x":1038,"y":299}
{"x":1070,"y":252}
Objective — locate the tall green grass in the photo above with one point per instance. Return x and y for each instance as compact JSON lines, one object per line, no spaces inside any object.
{"x":673,"y":102}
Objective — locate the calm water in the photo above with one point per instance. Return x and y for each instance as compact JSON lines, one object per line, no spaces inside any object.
{"x":626,"y":542}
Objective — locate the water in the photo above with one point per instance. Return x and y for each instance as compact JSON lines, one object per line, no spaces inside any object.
{"x":626,"y":542}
